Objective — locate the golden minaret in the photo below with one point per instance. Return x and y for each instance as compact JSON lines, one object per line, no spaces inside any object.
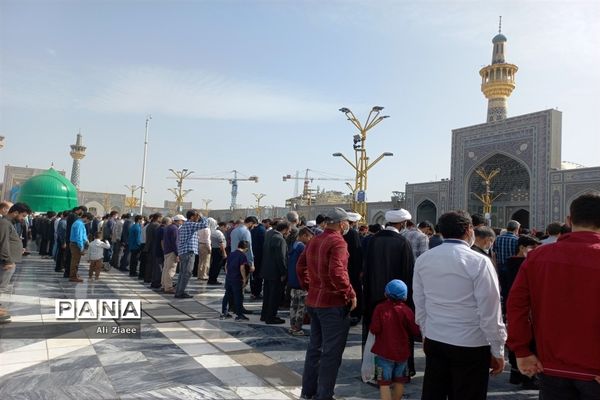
{"x":498,"y":79}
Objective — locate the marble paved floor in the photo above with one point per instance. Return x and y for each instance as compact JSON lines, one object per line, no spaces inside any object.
{"x":185,"y":351}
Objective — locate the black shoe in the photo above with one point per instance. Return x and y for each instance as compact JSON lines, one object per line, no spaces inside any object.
{"x":245,"y":311}
{"x":515,"y":378}
{"x":155,"y":286}
{"x":242,"y":318}
{"x":275,"y":321}
{"x":124,"y":269}
{"x":184,"y":296}
{"x":354,"y":321}
{"x":256,"y":297}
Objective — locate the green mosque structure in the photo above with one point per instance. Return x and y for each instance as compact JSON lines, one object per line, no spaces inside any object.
{"x":48,"y":191}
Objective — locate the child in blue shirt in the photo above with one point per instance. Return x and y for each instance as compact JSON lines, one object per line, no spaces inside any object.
{"x":235,"y":276}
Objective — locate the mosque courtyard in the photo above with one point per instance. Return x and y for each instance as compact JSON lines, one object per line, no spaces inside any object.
{"x":185,"y":351}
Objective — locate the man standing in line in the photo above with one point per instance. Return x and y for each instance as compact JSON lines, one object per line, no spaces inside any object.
{"x":553,"y":230}
{"x":457,"y":303}
{"x":134,"y":244}
{"x":556,"y":300}
{"x":148,"y":252}
{"x":107,"y":229}
{"x":77,"y":243}
{"x":258,"y":240}
{"x":115,"y":237}
{"x":71,"y":218}
{"x":11,"y":246}
{"x":171,"y":253}
{"x":127,"y":222}
{"x":388,"y":256}
{"x":355,"y":265}
{"x":323,"y":271}
{"x":187,"y":244}
{"x":242,"y":232}
{"x":505,"y":247}
{"x":419,"y":242}
{"x":484,"y":241}
{"x":274,"y":273}
{"x":218,"y":253}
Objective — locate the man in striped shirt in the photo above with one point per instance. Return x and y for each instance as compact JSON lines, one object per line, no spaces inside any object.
{"x":187,"y":246}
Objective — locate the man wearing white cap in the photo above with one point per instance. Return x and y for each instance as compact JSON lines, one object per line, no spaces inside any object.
{"x":387,"y":257}
{"x":355,"y":263}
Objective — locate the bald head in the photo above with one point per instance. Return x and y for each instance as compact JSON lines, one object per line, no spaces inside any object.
{"x":4,"y":207}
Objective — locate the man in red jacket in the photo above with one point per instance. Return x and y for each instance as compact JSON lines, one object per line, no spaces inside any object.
{"x":323,"y":270}
{"x":556,"y":300}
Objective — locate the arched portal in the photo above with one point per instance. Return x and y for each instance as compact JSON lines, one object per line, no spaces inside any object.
{"x":510,"y":187}
{"x":426,"y":211}
{"x":521,"y":216}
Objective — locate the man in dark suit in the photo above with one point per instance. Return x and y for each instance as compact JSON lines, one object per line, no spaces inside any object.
{"x":274,"y":272}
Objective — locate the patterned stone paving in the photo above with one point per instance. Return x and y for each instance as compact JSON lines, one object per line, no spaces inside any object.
{"x":185,"y":352}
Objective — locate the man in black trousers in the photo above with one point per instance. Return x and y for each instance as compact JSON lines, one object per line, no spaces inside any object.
{"x":274,"y":273}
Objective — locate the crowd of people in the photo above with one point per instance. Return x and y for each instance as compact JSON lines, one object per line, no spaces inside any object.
{"x":455,"y":286}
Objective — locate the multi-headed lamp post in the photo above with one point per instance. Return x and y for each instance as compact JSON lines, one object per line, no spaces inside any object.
{"x":178,"y":191}
{"x":361,"y":164}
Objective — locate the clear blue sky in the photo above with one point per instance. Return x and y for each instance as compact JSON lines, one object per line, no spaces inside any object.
{"x":256,"y":85}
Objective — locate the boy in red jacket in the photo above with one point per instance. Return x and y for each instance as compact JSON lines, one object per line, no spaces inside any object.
{"x":392,"y":324}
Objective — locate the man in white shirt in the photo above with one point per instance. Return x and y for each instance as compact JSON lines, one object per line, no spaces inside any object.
{"x":457,"y":302}
{"x":553,"y":230}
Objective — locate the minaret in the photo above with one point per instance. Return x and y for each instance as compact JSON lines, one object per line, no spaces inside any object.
{"x":77,"y":152}
{"x":498,"y":79}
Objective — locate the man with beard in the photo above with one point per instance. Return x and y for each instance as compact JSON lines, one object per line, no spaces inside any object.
{"x":11,"y":247}
{"x":388,"y":256}
{"x":355,"y":263}
{"x":274,"y":272}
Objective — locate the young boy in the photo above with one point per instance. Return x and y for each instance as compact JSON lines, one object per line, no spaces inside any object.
{"x":235,"y":276}
{"x":298,"y":295}
{"x":96,"y":250}
{"x":393,"y":324}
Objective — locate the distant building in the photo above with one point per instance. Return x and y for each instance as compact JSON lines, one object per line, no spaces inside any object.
{"x":531,"y":186}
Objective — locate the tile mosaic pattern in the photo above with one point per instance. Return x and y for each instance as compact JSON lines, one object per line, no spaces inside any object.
{"x":185,"y":352}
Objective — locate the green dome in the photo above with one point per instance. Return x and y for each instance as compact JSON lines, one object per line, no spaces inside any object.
{"x":48,"y":191}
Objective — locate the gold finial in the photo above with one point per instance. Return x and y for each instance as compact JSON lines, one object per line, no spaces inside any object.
{"x":500,"y":25}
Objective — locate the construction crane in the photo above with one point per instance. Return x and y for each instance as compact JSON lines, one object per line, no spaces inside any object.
{"x":306,"y":191}
{"x":232,"y":181}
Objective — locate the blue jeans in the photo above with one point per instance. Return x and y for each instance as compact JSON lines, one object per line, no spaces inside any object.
{"x":233,"y":290}
{"x":328,"y":334}
{"x":186,"y":265}
{"x":388,"y":371}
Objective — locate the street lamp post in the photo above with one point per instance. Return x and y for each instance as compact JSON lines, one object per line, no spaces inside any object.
{"x":206,"y":203}
{"x":258,"y":197}
{"x":178,"y":191}
{"x":361,"y":164}
{"x":143,"y":188}
{"x":131,"y":201}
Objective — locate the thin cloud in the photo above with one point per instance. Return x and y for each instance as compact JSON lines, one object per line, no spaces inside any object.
{"x":198,"y":94}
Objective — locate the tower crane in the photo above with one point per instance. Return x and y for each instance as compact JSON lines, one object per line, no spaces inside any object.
{"x":232,"y":181}
{"x":306,"y":191}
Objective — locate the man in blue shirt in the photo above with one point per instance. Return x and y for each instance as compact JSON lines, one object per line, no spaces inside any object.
{"x":187,"y":244}
{"x":78,"y":240}
{"x":242,"y":232}
{"x":134,"y":244}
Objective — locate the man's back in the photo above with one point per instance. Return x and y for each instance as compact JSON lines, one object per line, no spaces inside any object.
{"x":505,"y":246}
{"x":388,"y":256}
{"x":561,"y":282}
{"x":456,"y":296}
